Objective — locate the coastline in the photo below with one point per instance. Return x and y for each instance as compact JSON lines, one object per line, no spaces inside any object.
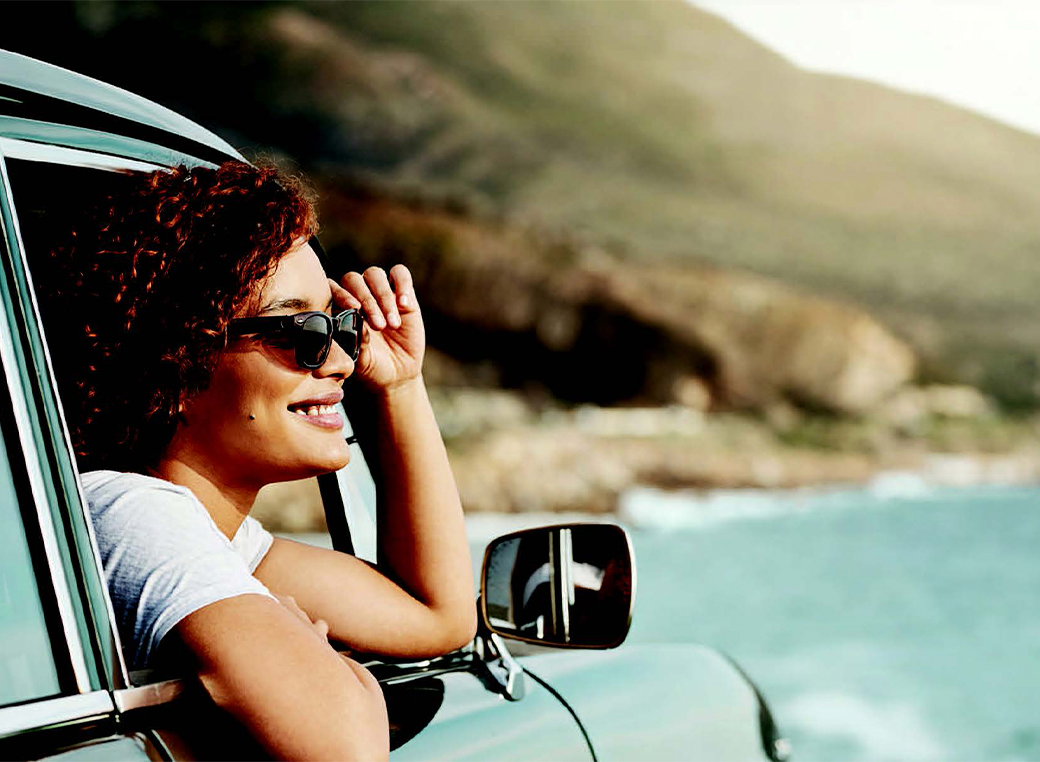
{"x":558,"y":471}
{"x":509,"y":458}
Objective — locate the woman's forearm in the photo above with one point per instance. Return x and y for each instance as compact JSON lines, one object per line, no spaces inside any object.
{"x":422,"y":531}
{"x":297,"y":696}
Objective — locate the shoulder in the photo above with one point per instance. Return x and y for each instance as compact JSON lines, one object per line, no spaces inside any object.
{"x":130,"y":505}
{"x":146,"y":511}
{"x":103,"y":488}
{"x":163,"y":556}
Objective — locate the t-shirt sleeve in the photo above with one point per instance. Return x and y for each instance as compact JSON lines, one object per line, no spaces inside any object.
{"x":252,"y":542}
{"x":164,"y":559}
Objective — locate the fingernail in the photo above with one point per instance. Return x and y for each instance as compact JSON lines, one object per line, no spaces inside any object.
{"x":404,"y":301}
{"x":395,"y":320}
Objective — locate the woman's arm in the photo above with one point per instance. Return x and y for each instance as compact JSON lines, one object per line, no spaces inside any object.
{"x":280,"y":678}
{"x":429,"y":608}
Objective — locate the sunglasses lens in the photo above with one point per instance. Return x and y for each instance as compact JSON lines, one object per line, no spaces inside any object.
{"x":348,"y":332}
{"x":312,"y":341}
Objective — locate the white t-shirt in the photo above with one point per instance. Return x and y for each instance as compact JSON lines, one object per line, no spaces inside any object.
{"x":164,"y":557}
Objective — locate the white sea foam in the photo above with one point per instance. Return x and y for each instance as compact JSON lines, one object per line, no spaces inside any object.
{"x":942,"y":479}
{"x":889,"y":485}
{"x":665,"y":510}
{"x":877,"y":731}
{"x":651,"y":508}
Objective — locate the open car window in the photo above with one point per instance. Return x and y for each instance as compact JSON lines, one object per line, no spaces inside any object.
{"x":49,"y":192}
{"x":49,"y":644}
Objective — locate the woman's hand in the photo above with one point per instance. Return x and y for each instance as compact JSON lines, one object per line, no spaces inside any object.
{"x":393,"y":339}
{"x":319,"y":626}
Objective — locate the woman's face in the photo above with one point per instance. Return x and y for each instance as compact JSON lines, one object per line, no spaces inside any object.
{"x":263,"y":418}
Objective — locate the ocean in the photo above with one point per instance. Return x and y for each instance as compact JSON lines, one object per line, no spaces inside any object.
{"x":896,"y":622}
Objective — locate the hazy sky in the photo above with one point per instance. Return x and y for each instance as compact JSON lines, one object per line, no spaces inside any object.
{"x":983,"y":54}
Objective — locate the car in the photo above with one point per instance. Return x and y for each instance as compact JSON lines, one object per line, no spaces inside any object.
{"x":547,"y":676}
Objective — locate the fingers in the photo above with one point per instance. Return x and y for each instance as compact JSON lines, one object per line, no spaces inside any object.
{"x":377,"y":281}
{"x":382,"y":299}
{"x":343,"y":297}
{"x":401,"y":280}
{"x":319,"y":626}
{"x":355,"y":283}
{"x":290,"y":603}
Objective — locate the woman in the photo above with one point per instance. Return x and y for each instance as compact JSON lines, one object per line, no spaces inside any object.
{"x":198,"y":366}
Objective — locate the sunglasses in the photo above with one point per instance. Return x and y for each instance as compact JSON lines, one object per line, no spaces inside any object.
{"x":310,"y":334}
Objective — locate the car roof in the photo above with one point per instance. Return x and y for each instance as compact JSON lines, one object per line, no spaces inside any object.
{"x":39,"y":91}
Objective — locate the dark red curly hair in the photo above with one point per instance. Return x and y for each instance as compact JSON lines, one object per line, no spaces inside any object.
{"x":143,"y":291}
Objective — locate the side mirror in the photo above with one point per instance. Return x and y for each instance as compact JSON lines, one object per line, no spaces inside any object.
{"x":570,"y":586}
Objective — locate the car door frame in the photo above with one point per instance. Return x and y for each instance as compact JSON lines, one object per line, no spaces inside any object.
{"x":86,"y":648}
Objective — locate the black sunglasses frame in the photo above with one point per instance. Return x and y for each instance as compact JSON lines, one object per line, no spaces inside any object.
{"x":292,"y":326}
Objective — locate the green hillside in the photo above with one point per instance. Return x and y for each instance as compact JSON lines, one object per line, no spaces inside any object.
{"x":665,"y":132}
{"x":650,"y":128}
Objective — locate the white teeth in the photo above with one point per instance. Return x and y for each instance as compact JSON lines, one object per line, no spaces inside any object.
{"x":315,"y":410}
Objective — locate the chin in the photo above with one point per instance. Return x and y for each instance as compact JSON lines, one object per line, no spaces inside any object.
{"x":331,"y":461}
{"x":307,"y":469}
{"x":306,"y":457}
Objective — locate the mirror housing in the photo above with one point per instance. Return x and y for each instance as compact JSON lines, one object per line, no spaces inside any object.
{"x":566,"y":586}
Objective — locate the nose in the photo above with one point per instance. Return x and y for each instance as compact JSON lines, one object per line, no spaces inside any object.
{"x":337,"y":364}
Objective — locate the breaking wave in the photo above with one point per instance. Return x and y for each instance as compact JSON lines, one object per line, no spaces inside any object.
{"x":671,"y":510}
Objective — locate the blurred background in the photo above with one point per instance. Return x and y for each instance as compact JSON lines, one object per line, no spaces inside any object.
{"x":782,"y":323}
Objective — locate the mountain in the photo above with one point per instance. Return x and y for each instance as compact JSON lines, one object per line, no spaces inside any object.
{"x":654,"y":131}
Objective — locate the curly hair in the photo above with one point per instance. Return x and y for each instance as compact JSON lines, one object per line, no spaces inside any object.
{"x":149,"y":283}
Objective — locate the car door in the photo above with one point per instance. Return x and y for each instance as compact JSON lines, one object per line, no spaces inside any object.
{"x":434,"y":704}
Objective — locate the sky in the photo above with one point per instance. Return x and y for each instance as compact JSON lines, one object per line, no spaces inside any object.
{"x":981,"y":54}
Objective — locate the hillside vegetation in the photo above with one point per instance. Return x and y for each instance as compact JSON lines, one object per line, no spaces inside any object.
{"x":664,"y":133}
{"x":655,"y":132}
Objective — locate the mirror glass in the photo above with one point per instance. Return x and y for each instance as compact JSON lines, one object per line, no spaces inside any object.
{"x":569,"y":585}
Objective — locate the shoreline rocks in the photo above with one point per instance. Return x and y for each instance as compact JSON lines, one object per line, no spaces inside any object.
{"x":509,"y":456}
{"x":585,"y":458}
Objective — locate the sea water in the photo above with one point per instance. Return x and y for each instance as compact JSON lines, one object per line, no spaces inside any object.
{"x":898,"y":622}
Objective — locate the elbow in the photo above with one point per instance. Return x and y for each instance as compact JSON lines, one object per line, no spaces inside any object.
{"x":456,"y":629}
{"x":360,"y":745}
{"x":368,"y":736}
{"x":355,"y":745}
{"x":465,"y":628}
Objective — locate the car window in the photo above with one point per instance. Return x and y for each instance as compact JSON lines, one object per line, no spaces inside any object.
{"x":48,"y":196}
{"x":45,"y":195}
{"x":27,"y":668}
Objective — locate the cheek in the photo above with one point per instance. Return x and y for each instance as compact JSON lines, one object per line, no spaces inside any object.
{"x":244,"y":386}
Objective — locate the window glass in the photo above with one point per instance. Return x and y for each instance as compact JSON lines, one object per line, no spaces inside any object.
{"x":27,"y":668}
